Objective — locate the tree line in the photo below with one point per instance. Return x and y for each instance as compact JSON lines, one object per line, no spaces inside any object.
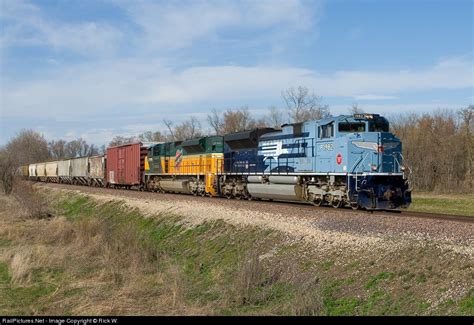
{"x":300,"y":105}
{"x":438,"y":147}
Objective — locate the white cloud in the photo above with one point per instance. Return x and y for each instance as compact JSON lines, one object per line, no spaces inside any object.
{"x":373,"y":97}
{"x":173,"y":25}
{"x":24,"y":24}
{"x":156,"y":27}
{"x":130,"y":86}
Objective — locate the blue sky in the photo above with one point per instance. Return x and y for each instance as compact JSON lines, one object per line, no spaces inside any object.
{"x":95,"y":69}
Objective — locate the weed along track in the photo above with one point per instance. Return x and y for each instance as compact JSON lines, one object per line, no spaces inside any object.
{"x":117,"y":252}
{"x":97,"y":251}
{"x":321,"y":226}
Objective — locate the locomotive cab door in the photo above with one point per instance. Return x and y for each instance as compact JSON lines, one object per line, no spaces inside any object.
{"x":325,"y":148}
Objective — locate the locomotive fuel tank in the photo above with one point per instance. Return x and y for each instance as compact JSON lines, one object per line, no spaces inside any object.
{"x":284,"y":192}
{"x":179,"y":186}
{"x":284,"y":179}
{"x":255,"y":179}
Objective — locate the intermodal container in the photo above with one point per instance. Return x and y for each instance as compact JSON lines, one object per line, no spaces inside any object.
{"x":126,"y":164}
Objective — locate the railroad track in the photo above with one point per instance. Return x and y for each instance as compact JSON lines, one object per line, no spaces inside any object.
{"x":405,"y":214}
{"x":435,"y":216}
{"x":296,"y":205}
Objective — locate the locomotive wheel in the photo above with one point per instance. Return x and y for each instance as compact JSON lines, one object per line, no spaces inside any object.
{"x":318,"y":202}
{"x":355,"y":206}
{"x":336,"y":203}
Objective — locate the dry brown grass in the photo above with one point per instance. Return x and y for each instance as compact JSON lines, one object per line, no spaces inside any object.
{"x":93,"y":264}
{"x":35,"y":204}
{"x":260,"y":279}
{"x":112,"y":272}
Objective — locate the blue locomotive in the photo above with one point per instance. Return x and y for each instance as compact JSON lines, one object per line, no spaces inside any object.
{"x":348,"y":160}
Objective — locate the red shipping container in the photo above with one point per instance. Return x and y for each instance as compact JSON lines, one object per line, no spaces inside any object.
{"x":126,"y":164}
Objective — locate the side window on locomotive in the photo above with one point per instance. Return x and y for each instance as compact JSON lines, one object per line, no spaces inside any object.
{"x":326,"y":131}
{"x":351,"y":127}
{"x":378,"y":126}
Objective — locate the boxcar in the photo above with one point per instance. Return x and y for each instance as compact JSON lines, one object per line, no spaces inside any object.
{"x":126,"y":165}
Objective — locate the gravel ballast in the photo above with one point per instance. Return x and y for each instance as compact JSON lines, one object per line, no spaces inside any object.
{"x":340,"y":229}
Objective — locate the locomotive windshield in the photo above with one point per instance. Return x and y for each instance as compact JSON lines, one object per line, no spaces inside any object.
{"x":352,"y":127}
{"x":379,"y":125}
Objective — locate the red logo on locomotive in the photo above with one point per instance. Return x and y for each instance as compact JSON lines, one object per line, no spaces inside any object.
{"x":339,"y":159}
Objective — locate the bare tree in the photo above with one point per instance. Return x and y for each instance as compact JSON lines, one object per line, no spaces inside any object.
{"x":355,"y":109}
{"x":8,"y":167}
{"x":120,"y":140}
{"x":188,"y":129}
{"x":467,"y":120}
{"x":29,"y":147}
{"x":150,"y":136}
{"x":215,"y":121}
{"x":79,"y":148}
{"x":237,"y":120}
{"x":438,"y":148}
{"x":303,"y":105}
{"x":275,"y":117}
{"x":57,"y":149}
{"x":169,"y":125}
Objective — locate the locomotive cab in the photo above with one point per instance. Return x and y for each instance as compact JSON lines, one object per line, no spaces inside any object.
{"x":376,"y":174}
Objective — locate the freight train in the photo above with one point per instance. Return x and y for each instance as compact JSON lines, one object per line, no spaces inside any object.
{"x":343,"y":161}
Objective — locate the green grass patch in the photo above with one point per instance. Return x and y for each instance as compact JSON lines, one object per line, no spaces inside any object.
{"x":21,"y":300}
{"x":466,"y":305}
{"x":5,"y":242}
{"x":448,"y":204}
{"x":374,"y":280}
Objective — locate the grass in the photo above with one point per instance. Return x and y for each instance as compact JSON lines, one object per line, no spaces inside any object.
{"x":459,"y":204}
{"x":103,"y":258}
{"x":22,"y":300}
